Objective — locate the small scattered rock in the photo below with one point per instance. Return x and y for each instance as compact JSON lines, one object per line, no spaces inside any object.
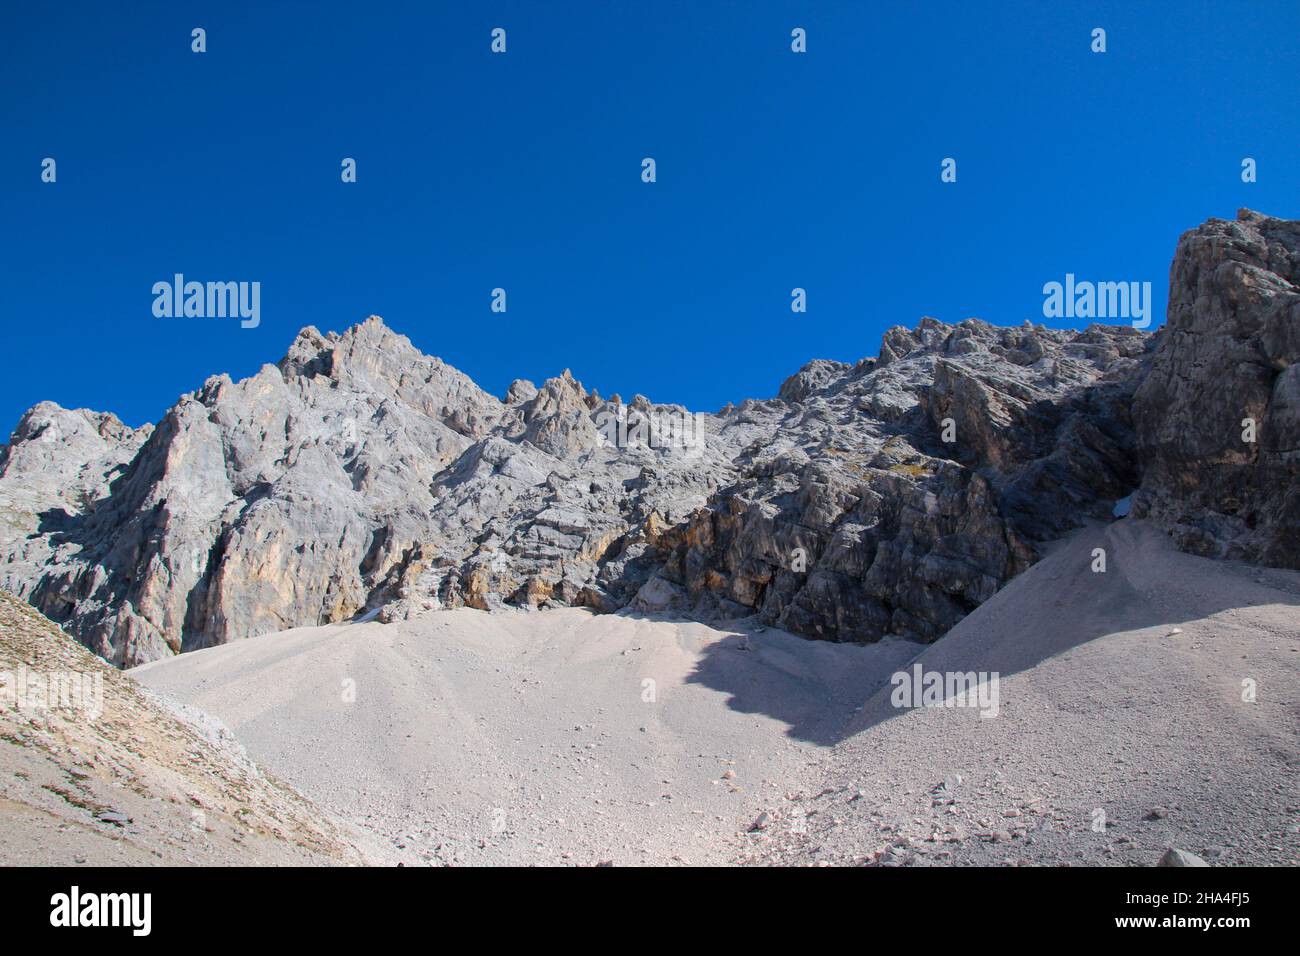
{"x":1175,"y":857}
{"x":948,"y":784}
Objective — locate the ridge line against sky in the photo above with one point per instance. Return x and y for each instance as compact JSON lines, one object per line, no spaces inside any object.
{"x":522,"y":170}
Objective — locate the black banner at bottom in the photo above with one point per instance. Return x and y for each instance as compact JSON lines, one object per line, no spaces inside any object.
{"x":332,"y":906}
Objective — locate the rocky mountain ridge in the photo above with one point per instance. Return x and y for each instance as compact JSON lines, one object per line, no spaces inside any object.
{"x":890,"y":496}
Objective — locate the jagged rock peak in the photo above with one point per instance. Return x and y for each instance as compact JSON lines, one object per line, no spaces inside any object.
{"x":50,"y":438}
{"x":1218,"y":418}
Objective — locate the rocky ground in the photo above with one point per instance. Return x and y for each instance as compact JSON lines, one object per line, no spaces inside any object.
{"x":534,"y":738}
{"x":525,"y":737}
{"x":130,"y":779}
{"x":1122,"y":729}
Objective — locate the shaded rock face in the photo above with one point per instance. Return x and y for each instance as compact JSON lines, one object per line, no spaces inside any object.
{"x":887,"y":497}
{"x":1226,"y":365}
{"x":895,"y":498}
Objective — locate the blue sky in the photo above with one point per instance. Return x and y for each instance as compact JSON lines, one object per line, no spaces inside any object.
{"x":522,"y":171}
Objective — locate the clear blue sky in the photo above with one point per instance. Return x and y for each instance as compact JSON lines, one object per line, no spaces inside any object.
{"x":775,"y":170}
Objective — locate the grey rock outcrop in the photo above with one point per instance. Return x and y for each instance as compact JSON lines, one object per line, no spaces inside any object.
{"x":252,"y":506}
{"x":358,"y":474}
{"x":855,"y":518}
{"x":889,"y":496}
{"x":1218,"y":417}
{"x":355,"y":474}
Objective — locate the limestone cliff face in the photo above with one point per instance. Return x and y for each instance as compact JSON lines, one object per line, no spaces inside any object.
{"x":252,"y":506}
{"x":1218,"y":417}
{"x":890,"y":496}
